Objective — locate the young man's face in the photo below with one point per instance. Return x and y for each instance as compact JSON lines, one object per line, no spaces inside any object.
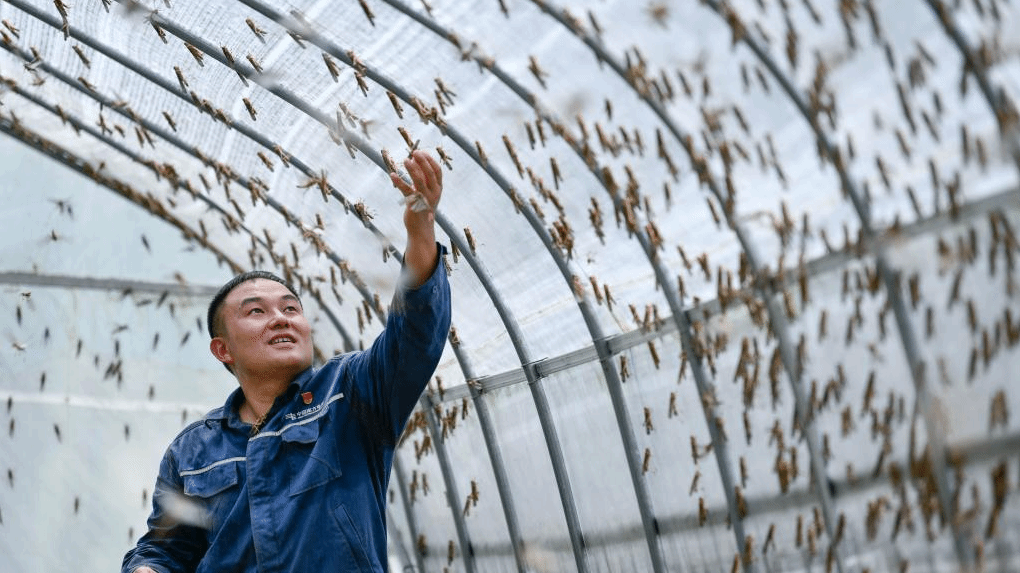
{"x":266,"y":333}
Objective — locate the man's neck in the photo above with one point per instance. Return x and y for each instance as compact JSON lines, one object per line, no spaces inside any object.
{"x":259,"y":395}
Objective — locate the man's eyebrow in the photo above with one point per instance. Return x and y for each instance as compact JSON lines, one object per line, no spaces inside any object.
{"x":260,"y":300}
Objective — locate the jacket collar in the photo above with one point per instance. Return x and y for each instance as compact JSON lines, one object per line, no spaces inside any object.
{"x":228,"y":412}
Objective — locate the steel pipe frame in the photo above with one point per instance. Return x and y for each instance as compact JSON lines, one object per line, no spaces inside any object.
{"x":504,"y":492}
{"x":412,"y":523}
{"x":170,"y":28}
{"x":80,"y":125}
{"x":613,"y":379}
{"x":813,"y":268}
{"x":704,"y":385}
{"x":536,"y":224}
{"x":33,"y":279}
{"x":366,"y":296}
{"x":175,"y":141}
{"x":106,"y":181}
{"x":1003,"y":110}
{"x":538,"y":392}
{"x":764,"y":287}
{"x":452,"y":495}
{"x":158,"y":131}
{"x":777,"y":323}
{"x":891,"y":281}
{"x":999,"y":102}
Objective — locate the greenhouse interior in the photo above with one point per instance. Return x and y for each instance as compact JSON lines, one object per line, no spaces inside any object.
{"x":734,"y":282}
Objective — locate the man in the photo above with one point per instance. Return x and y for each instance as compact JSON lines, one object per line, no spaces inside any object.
{"x":291,"y":473}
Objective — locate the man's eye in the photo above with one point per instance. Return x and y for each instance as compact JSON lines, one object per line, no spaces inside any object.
{"x":254,"y":310}
{"x":291,"y":309}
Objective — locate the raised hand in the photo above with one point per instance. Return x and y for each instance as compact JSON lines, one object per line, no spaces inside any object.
{"x":421,"y":197}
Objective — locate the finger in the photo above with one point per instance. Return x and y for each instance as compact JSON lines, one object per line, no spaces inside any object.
{"x":417,"y":174}
{"x":399,"y":183}
{"x":425,"y":163}
{"x":437,"y":170}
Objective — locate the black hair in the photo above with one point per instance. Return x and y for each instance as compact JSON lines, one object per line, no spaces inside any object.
{"x":217,"y":301}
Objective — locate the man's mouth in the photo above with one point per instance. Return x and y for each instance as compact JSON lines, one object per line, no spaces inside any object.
{"x":282,"y":338}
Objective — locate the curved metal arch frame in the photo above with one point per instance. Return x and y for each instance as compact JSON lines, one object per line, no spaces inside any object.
{"x":561,"y":263}
{"x":176,"y":142}
{"x":495,"y":459}
{"x":704,"y":385}
{"x":542,"y":408}
{"x":767,"y":292}
{"x":891,"y":282}
{"x":777,"y":319}
{"x":1002,"y":107}
{"x":610,"y":371}
{"x":463,"y":536}
{"x":452,"y":495}
{"x":539,"y":398}
{"x":537,"y":388}
{"x":58,"y":153}
{"x":412,"y":523}
{"x":764,"y":287}
{"x":173,"y":141}
{"x":77,"y":124}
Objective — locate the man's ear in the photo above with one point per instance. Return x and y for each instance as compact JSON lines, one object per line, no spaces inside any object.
{"x":219,"y":349}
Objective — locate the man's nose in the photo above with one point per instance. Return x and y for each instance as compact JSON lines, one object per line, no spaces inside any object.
{"x":279,"y":319}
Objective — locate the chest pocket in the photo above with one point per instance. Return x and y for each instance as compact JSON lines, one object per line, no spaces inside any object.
{"x":215,"y":489}
{"x":212,"y":481}
{"x":312,"y":457}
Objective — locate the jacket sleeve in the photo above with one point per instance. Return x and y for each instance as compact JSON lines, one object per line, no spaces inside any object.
{"x":173,"y":543}
{"x":389,"y":377}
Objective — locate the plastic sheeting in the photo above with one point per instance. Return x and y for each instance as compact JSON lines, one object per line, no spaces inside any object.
{"x":734,"y":282}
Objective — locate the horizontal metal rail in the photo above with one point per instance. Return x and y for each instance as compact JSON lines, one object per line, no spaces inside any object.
{"x":97,"y":283}
{"x":1007,"y":200}
{"x":761,"y":506}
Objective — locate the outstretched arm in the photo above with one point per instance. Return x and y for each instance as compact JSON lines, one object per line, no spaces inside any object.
{"x":387,"y":379}
{"x":421,"y":254}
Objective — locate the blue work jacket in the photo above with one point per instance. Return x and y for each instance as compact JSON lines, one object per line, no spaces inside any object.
{"x":308,"y":492}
